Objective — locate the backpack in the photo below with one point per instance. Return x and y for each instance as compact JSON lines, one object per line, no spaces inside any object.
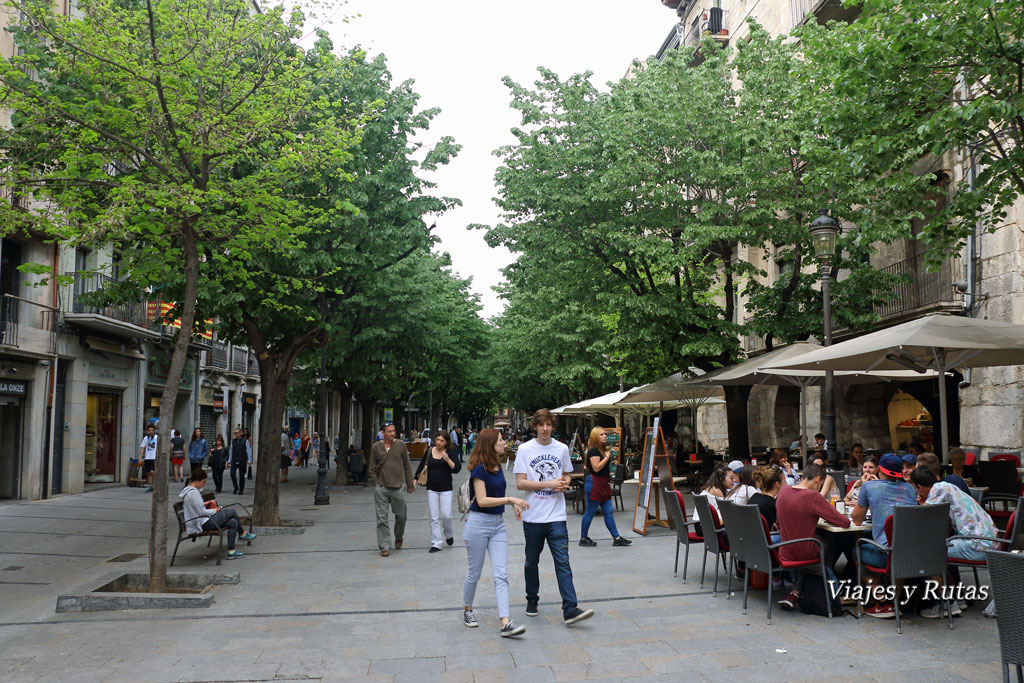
{"x":814,"y":599}
{"x":464,"y":498}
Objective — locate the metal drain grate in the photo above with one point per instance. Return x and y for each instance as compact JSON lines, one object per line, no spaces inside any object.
{"x":12,"y":568}
{"x":127,"y":557}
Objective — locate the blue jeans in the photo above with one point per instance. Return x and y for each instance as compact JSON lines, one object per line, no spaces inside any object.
{"x":485,"y":535}
{"x":592,"y":508}
{"x":871,"y":555}
{"x":557,"y":536}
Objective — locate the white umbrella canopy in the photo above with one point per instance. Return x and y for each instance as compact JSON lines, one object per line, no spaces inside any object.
{"x":937,"y":342}
{"x":600,"y":404}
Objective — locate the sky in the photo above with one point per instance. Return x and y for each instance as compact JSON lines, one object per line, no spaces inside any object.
{"x":457,"y":51}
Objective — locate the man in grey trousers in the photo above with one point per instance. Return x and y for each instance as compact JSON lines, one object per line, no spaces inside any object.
{"x":389,"y":470}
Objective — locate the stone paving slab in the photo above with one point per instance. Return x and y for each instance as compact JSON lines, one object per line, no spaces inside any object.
{"x":324,"y":605}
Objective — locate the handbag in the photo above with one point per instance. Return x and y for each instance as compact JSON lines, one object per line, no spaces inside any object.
{"x":422,"y":478}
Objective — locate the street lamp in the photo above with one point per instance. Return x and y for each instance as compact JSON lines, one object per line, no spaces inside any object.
{"x":824,"y":230}
{"x":322,"y":496}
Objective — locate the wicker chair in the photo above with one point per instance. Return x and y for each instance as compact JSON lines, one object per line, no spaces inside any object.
{"x":685,"y":534}
{"x":1006,"y":570}
{"x":748,"y":535}
{"x":714,"y":538}
{"x":917,"y":548}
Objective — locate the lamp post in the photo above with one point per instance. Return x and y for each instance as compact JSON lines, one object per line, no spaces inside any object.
{"x":322,"y":496}
{"x":824,"y":230}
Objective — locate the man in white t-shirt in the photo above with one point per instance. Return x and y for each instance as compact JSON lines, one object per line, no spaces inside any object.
{"x":147,"y":453}
{"x":542,"y":469}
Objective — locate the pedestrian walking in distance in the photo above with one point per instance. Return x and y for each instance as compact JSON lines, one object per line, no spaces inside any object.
{"x":598,"y":490}
{"x":440,"y":468}
{"x":485,"y":532}
{"x":218,"y":460}
{"x":542,"y":469}
{"x":198,"y":449}
{"x":389,"y":470}
{"x":240,"y":455}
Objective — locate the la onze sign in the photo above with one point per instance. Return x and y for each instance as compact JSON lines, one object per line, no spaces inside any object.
{"x":9,"y":387}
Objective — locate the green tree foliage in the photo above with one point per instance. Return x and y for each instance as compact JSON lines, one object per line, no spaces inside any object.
{"x":171,"y":128}
{"x":365,"y":212}
{"x":924,"y":77}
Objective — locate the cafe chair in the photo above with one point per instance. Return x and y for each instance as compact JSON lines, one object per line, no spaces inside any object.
{"x":617,"y":479}
{"x":1000,"y":476}
{"x":1012,"y":538}
{"x":1009,"y":457}
{"x":685,"y":531}
{"x":1005,"y":570}
{"x":839,"y":476}
{"x":715,"y":540}
{"x":748,"y":534}
{"x":917,"y":549}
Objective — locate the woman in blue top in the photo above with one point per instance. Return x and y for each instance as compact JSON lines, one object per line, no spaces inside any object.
{"x":484,"y":532}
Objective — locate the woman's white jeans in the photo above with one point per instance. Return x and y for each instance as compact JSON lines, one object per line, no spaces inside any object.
{"x":485,"y":534}
{"x":440,"y":515}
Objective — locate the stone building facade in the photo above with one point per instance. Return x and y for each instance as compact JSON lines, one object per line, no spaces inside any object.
{"x":987,"y":410}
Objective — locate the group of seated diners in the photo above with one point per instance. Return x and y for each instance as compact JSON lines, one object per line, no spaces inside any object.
{"x":792,"y":504}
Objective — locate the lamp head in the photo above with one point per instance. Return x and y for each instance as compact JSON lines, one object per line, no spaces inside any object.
{"x":823,"y":231}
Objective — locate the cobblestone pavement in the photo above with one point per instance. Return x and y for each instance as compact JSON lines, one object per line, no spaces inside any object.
{"x":325,"y":605}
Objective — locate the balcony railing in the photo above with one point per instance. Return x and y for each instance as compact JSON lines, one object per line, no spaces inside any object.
{"x":133,"y":313}
{"x":713,"y":21}
{"x":823,"y":11}
{"x":8,"y":321}
{"x":923,"y":290}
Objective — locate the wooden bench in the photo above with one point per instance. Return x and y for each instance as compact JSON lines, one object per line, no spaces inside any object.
{"x":183,"y":535}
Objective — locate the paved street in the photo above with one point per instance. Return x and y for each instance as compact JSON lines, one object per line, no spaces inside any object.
{"x":325,"y":605}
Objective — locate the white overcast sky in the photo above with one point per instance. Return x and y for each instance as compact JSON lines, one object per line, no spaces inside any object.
{"x":457,"y":51}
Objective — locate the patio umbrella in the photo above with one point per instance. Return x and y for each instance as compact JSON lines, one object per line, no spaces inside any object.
{"x":757,"y":371}
{"x":936,"y":342}
{"x":673,"y":392}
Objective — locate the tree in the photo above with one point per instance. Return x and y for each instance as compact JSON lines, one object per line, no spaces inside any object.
{"x":923,"y":77}
{"x":364,"y":212}
{"x":168,"y":128}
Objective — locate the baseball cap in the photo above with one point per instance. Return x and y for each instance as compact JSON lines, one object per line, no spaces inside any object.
{"x":891,"y":465}
{"x":910,"y":459}
{"x":735,"y":465}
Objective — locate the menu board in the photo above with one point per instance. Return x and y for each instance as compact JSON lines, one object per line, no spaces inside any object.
{"x":614,"y":442}
{"x":646,"y":474}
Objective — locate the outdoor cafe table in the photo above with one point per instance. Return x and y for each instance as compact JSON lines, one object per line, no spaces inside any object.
{"x":657,"y":498}
{"x":822,"y":524}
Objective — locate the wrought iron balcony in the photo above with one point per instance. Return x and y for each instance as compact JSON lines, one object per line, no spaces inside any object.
{"x":132,"y":317}
{"x":712,"y":21}
{"x":8,"y":321}
{"x":923,"y":291}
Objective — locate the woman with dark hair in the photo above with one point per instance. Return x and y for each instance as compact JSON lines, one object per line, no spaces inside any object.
{"x":769,"y":480}
{"x":218,"y":461}
{"x":869,"y":472}
{"x":718,"y":484}
{"x":828,"y":485}
{"x":440,"y":468}
{"x":198,"y":449}
{"x":856,"y":457}
{"x":485,"y":532}
{"x":177,"y":454}
{"x":598,"y":489}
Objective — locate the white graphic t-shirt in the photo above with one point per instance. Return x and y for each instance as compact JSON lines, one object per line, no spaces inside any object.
{"x":149,"y":443}
{"x":543,"y":463}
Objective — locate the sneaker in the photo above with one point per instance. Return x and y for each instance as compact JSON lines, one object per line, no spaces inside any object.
{"x":398,"y":544}
{"x":512,"y":629}
{"x":938,"y":611}
{"x":434,"y":550}
{"x":469,"y":619}
{"x":449,"y":541}
{"x":531,"y":608}
{"x":384,"y":552}
{"x":587,"y":543}
{"x":962,"y":604}
{"x":578,"y":614}
{"x":789,"y":602}
{"x":622,"y":541}
{"x":882,"y":610}
{"x":247,"y":536}
{"x":234,"y":554}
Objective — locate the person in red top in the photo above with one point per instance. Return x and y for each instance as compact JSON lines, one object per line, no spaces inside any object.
{"x":798,"y":509}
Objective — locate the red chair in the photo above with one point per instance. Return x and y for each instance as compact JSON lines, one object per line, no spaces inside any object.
{"x":970,"y":459}
{"x":1011,"y":539}
{"x":1013,"y":457}
{"x":849,"y":486}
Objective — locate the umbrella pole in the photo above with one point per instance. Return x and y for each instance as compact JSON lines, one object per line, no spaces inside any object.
{"x":803,"y":419}
{"x":943,"y":414}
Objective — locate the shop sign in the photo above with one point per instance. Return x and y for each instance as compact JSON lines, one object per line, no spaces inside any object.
{"x":12,"y":387}
{"x":218,"y":401}
{"x":205,"y":396}
{"x":389,"y":415}
{"x":101,"y":372}
{"x":158,"y":365}
{"x":249,"y":402}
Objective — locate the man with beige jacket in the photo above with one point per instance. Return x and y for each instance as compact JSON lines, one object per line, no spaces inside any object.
{"x":389,"y":470}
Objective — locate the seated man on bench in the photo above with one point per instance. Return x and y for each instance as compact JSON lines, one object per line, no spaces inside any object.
{"x":199,"y":518}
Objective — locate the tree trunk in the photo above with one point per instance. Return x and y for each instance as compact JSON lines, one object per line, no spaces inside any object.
{"x":399,"y":408}
{"x":367,"y":428}
{"x":344,"y":427}
{"x":274,"y":373}
{"x":736,"y":414}
{"x":179,"y":356}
